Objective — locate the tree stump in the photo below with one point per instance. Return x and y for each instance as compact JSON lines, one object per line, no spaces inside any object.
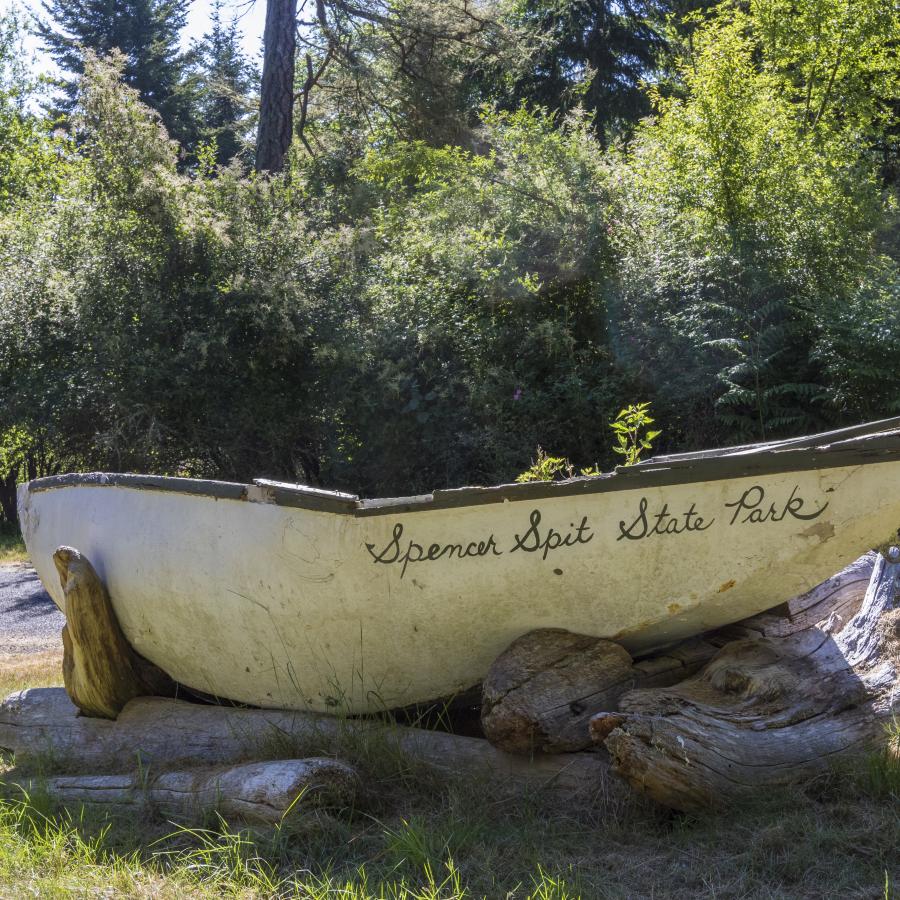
{"x":101,"y":671}
{"x":255,"y":792}
{"x":766,"y":711}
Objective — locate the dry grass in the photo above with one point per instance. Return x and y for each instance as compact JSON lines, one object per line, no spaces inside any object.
{"x":21,"y":670}
{"x":419,"y":836}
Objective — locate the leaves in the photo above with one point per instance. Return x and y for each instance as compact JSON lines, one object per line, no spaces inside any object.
{"x":630,"y":428}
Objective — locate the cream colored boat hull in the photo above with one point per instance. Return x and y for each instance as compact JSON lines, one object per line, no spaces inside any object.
{"x":235,"y":592}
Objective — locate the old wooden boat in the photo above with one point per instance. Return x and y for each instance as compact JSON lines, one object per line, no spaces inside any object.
{"x":281,"y":595}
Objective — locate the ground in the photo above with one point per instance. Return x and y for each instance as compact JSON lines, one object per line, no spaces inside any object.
{"x":417,"y":835}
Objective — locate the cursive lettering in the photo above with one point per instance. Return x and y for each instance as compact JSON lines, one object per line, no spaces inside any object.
{"x":751,"y":505}
{"x":395,"y":553}
{"x":534,"y":541}
{"x":663,"y":522}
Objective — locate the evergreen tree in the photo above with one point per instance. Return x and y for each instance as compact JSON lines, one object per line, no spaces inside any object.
{"x":595,"y":53}
{"x":145,"y":31}
{"x":226,"y":80}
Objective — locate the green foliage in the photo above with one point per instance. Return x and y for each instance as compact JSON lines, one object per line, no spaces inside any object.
{"x":153,"y":321}
{"x":145,"y":32}
{"x":589,"y":54}
{"x":546,"y":468}
{"x":632,"y":433}
{"x":836,"y":61}
{"x":745,"y":231}
{"x":29,"y":154}
{"x":486,"y":281}
{"x":437,"y":285}
{"x":224,"y":82}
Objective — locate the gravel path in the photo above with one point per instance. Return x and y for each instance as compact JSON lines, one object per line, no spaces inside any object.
{"x":29,"y":619}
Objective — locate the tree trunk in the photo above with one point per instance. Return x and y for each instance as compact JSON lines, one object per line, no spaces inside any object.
{"x":101,"y":671}
{"x":767,"y":711}
{"x":254,"y":792}
{"x":276,"y":99}
{"x":159,"y":733}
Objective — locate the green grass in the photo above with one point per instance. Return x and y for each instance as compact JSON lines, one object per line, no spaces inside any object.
{"x":459,"y":844}
{"x":12,"y":548}
{"x":416,"y":835}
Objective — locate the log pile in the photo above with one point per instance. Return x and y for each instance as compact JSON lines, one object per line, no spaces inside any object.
{"x":154,"y":733}
{"x":770,"y":701}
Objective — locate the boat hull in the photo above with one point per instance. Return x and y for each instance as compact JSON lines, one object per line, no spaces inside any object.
{"x":291,"y":607}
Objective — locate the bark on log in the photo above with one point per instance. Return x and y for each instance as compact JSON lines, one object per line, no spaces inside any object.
{"x":255,"y":792}
{"x":101,"y":671}
{"x":767,"y":710}
{"x":542,"y":692}
{"x":154,"y":732}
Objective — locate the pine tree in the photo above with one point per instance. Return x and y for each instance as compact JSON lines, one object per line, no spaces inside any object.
{"x":276,"y":95}
{"x":226,"y":80}
{"x":145,"y":31}
{"x":594,"y":53}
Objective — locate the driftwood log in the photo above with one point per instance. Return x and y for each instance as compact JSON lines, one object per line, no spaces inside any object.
{"x":542,"y":692}
{"x":41,"y":725}
{"x":255,"y":792}
{"x":101,"y":671}
{"x":777,"y":706}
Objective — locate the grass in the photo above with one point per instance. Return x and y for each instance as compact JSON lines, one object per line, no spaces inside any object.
{"x":21,"y":670}
{"x":418,"y":836}
{"x":12,"y":548}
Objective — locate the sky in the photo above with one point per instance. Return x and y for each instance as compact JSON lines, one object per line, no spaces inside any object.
{"x":251,"y":13}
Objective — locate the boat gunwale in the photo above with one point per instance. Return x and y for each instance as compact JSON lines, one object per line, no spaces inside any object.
{"x":873,"y":442}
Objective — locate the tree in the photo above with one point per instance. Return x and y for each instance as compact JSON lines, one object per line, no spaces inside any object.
{"x":147,"y":34}
{"x":751,"y":231}
{"x":226,"y":80}
{"x":590,"y":52}
{"x":276,"y":99}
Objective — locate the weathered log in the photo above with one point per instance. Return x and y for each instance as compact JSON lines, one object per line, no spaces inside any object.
{"x":541,"y":693}
{"x":766,"y":711}
{"x":41,"y":724}
{"x":101,"y":671}
{"x":254,"y":792}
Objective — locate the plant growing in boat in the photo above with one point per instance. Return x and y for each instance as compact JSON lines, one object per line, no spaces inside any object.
{"x":546,"y":468}
{"x":631,"y":440}
{"x":632,"y":434}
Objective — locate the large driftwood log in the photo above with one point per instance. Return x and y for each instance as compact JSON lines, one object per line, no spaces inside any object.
{"x":101,"y":671}
{"x":766,"y":711}
{"x":254,"y":792}
{"x":41,"y":723}
{"x":540,"y":694}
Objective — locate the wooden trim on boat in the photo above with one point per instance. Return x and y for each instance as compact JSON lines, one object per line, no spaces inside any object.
{"x":871,"y":443}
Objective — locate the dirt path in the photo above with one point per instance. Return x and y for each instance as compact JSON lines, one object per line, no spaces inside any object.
{"x":29,"y":619}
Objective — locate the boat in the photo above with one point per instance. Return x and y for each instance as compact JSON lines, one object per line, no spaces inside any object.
{"x":288,"y":596}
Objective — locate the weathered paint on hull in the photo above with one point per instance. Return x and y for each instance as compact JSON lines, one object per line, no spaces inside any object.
{"x":294,"y":607}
